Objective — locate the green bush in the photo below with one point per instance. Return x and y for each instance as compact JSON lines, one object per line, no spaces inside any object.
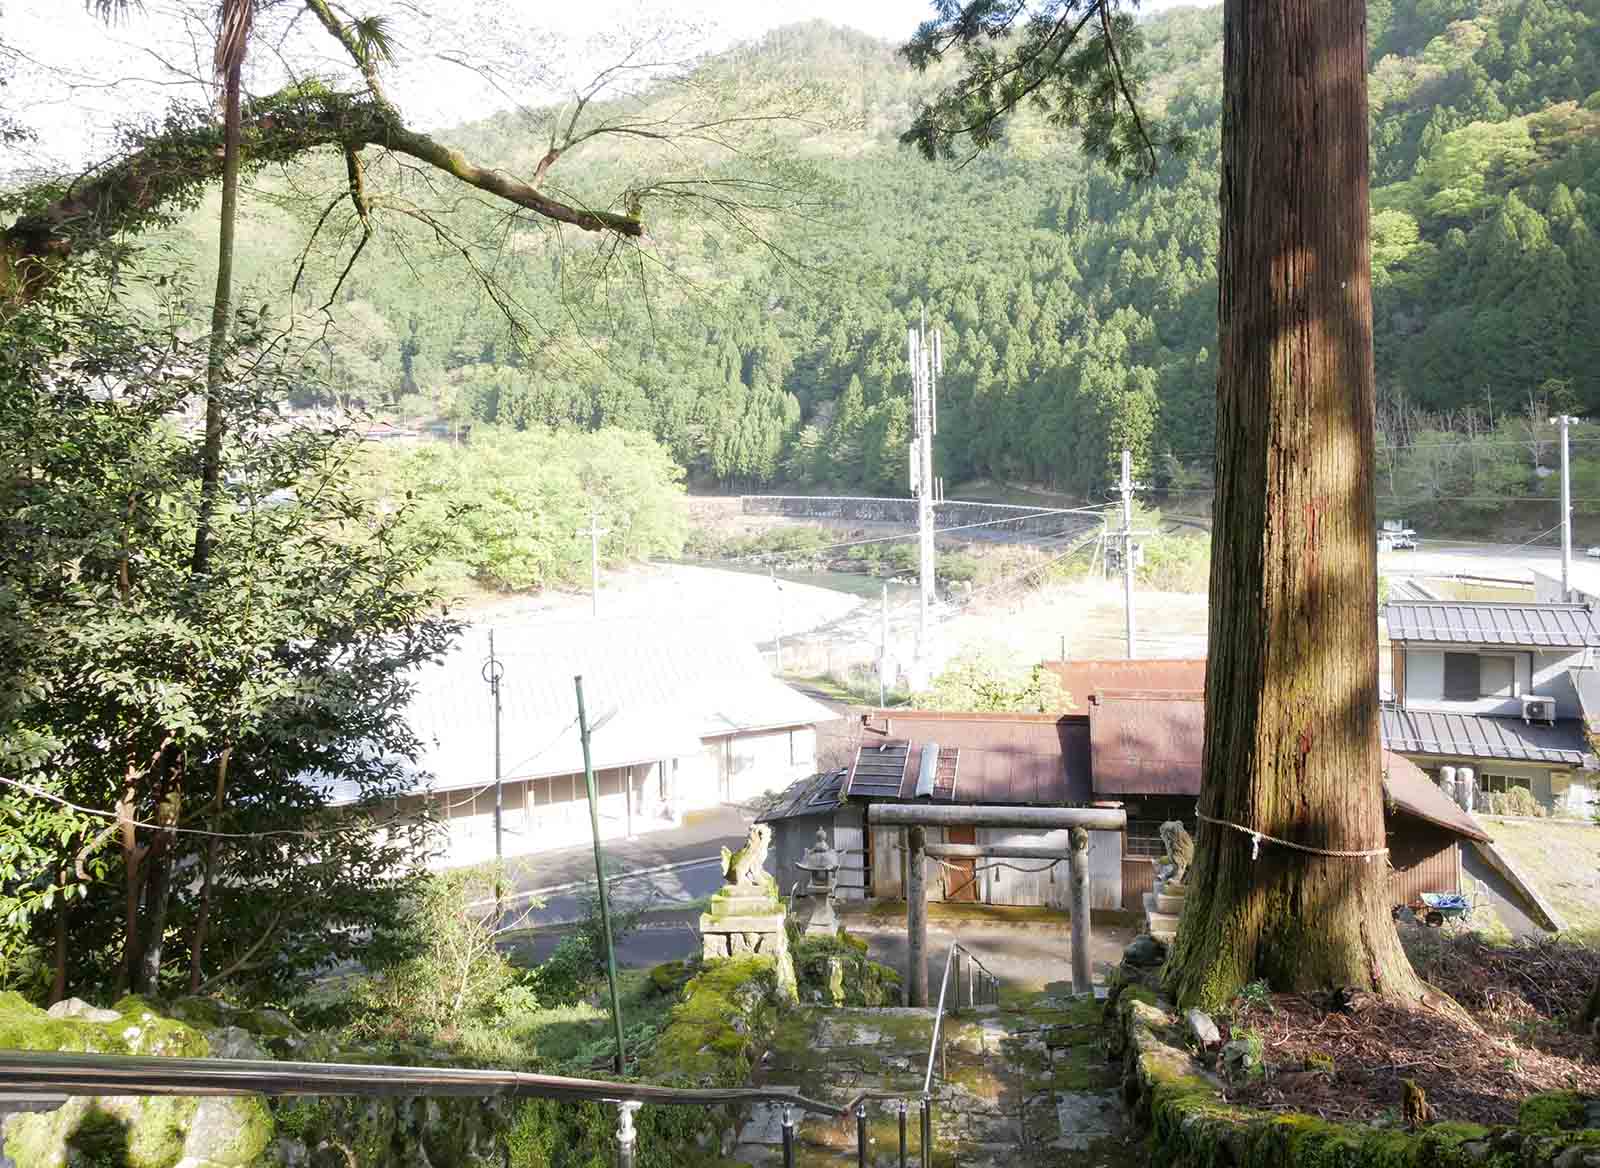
{"x":1516,"y":801}
{"x":455,"y":971}
{"x":1176,"y":563}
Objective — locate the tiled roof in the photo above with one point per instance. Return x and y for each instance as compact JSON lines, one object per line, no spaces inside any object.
{"x":1478,"y":736}
{"x":1458,"y":623}
{"x":817,"y":794}
{"x":1413,"y":792}
{"x":652,"y":690}
{"x":983,"y":758}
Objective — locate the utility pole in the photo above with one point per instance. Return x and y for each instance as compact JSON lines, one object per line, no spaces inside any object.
{"x":1127,"y":544}
{"x":492,"y":673}
{"x":600,"y":874}
{"x":1566,"y":513}
{"x":883,"y":643}
{"x":926,"y":358}
{"x":594,"y":531}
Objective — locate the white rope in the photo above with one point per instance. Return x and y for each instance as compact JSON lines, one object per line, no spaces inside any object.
{"x":1257,"y":836}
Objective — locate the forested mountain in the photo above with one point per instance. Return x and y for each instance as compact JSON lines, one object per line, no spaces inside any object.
{"x":1078,"y":310}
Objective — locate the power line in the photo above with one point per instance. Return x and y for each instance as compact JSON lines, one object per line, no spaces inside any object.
{"x":41,"y":793}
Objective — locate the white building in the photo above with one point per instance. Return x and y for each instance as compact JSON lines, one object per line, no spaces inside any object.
{"x":1505,"y":689}
{"x":682,"y":716}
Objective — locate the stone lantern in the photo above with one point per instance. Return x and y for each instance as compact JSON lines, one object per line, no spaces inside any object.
{"x":821,"y":864}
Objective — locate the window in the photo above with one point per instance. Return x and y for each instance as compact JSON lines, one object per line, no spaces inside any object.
{"x":1460,"y":677}
{"x":1497,"y":677}
{"x":1143,"y":839}
{"x":1502,"y":784}
{"x":1470,"y":676}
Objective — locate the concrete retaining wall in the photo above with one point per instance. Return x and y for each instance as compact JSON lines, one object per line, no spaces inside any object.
{"x":1039,"y":521}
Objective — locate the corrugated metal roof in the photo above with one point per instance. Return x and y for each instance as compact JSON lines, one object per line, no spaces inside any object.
{"x":652,"y":689}
{"x":817,"y":795}
{"x":1413,"y":792}
{"x":1479,"y":736}
{"x":1458,"y":623}
{"x":983,"y":758}
{"x":1147,"y":744}
{"x":1080,"y":679}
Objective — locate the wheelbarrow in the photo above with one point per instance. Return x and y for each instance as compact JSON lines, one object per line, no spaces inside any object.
{"x":1435,"y":908}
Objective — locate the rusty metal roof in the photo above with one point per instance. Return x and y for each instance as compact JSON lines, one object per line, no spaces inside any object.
{"x":1486,"y":623}
{"x":1412,"y":791}
{"x":1080,"y":679}
{"x":983,"y":758}
{"x":817,"y":794}
{"x":1147,"y":744}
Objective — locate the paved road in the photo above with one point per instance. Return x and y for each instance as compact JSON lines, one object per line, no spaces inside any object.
{"x":677,"y":865}
{"x":1445,"y":558}
{"x":1027,"y":956}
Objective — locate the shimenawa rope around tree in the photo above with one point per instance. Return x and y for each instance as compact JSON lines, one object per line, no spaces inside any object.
{"x":1257,"y":836}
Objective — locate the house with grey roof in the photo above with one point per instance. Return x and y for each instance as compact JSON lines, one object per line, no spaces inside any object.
{"x":1496,"y":689}
{"x":682,"y":715}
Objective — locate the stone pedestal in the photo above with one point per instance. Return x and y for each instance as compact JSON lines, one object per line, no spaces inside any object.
{"x":1162,"y":908}
{"x":739,"y":925}
{"x":817,"y":916}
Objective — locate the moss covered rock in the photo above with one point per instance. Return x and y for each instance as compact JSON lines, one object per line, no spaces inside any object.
{"x":131,"y":1131}
{"x":835,"y":971}
{"x":727,"y":1013}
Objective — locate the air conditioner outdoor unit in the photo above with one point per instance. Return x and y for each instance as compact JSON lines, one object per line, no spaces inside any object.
{"x":1539,"y":709}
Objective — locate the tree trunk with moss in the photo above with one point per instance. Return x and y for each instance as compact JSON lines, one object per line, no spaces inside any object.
{"x":1292,"y":744}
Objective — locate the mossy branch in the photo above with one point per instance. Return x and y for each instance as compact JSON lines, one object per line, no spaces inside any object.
{"x":172,"y":164}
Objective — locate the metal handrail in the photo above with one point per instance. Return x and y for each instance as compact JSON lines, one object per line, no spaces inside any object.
{"x":50,"y":1072}
{"x":938,"y":1017}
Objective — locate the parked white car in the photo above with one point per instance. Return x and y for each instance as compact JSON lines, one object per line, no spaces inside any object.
{"x":1593,"y":553}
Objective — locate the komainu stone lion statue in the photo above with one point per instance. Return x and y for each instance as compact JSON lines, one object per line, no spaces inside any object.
{"x":1180,"y":852}
{"x":746,"y":867}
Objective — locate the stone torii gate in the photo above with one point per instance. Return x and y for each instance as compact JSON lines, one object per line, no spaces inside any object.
{"x":918,"y":817}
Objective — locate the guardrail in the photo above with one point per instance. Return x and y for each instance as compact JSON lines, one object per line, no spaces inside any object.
{"x":39,"y":1079}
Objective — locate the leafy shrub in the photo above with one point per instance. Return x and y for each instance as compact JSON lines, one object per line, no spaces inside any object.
{"x":957,"y":567}
{"x":455,"y":972}
{"x":1176,"y":563}
{"x":1516,"y":801}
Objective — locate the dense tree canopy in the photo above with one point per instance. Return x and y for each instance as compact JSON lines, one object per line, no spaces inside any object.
{"x":1078,"y":307}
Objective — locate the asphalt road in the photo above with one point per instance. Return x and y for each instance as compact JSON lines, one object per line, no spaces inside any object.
{"x":1019,"y":955}
{"x":1445,"y":558}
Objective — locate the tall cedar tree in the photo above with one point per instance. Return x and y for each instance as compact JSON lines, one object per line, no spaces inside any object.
{"x":1292,"y":680}
{"x":1291,"y":688}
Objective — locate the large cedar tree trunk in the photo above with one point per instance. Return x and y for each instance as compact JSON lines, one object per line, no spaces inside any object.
{"x":1291,"y":687}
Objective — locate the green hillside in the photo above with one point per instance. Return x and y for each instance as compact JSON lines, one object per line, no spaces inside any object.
{"x":1078,"y":311}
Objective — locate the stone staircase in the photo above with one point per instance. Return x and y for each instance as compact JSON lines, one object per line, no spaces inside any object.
{"x":1162,"y":908}
{"x":1023,"y":1085}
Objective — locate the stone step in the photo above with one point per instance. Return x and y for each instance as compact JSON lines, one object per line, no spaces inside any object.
{"x":1162,"y":926}
{"x":1155,"y":902}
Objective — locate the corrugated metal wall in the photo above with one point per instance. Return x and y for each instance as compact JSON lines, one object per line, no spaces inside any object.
{"x":1425,"y":860}
{"x":1138,"y":878}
